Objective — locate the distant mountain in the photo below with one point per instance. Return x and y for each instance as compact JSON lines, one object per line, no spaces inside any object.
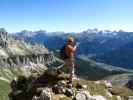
{"x":101,"y":42}
{"x":94,"y":43}
{"x":121,"y":57}
{"x":42,"y":37}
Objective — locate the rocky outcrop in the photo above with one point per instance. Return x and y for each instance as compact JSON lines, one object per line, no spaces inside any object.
{"x":85,"y":95}
{"x":3,"y":39}
{"x":21,"y":60}
{"x":31,"y":88}
{"x":54,"y":84}
{"x":130,"y":84}
{"x":44,"y":95}
{"x":18,"y":53}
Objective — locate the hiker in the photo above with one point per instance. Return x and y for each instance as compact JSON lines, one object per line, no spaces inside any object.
{"x":67,"y":53}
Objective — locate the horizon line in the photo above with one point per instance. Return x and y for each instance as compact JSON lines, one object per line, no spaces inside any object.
{"x":91,"y":29}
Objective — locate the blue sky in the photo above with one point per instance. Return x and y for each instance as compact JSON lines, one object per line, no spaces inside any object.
{"x":66,"y":15}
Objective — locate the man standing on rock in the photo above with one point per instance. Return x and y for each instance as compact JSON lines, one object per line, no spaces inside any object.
{"x":67,"y":53}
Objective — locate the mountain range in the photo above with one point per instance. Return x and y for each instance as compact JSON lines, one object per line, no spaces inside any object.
{"x":110,"y":47}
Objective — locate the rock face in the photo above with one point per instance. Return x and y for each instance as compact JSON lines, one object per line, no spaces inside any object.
{"x":20,"y":60}
{"x":15,"y":52}
{"x":3,"y":39}
{"x":108,"y":84}
{"x":69,"y":92}
{"x":130,"y":84}
{"x":32,"y":88}
{"x":85,"y":95}
{"x":45,"y":95}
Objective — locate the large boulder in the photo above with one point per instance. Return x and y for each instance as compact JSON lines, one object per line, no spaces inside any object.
{"x":85,"y":95}
{"x":46,"y":94}
{"x":69,"y":92}
{"x":130,"y":84}
{"x":108,"y":84}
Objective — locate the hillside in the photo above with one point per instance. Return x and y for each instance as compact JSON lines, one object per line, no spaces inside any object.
{"x":55,"y":84}
{"x":18,"y":58}
{"x":122,"y":56}
{"x":92,"y":70}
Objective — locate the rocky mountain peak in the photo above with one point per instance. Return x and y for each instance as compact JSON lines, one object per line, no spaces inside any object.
{"x":15,"y":52}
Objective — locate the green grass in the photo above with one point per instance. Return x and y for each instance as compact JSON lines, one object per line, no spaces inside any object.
{"x":4,"y":90}
{"x":94,"y":89}
{"x":91,"y":72}
{"x":100,"y":89}
{"x":9,"y":74}
{"x":123,"y":91}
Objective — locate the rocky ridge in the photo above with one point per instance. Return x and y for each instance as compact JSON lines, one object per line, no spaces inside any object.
{"x":53,"y":85}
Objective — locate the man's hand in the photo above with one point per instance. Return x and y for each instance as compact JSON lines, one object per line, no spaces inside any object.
{"x":77,"y":44}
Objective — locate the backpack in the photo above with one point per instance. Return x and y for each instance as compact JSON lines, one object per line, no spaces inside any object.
{"x":63,"y":54}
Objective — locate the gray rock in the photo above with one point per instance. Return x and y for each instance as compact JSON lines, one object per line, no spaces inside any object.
{"x":62,"y":83}
{"x":35,"y":98}
{"x":46,"y":94}
{"x":108,"y":84}
{"x":98,"y":97}
{"x":69,"y":86}
{"x":69,"y":92}
{"x":108,"y":93}
{"x":130,"y":84}
{"x":83,"y":95}
{"x":119,"y":98}
{"x":79,"y":86}
{"x":57,"y":89}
